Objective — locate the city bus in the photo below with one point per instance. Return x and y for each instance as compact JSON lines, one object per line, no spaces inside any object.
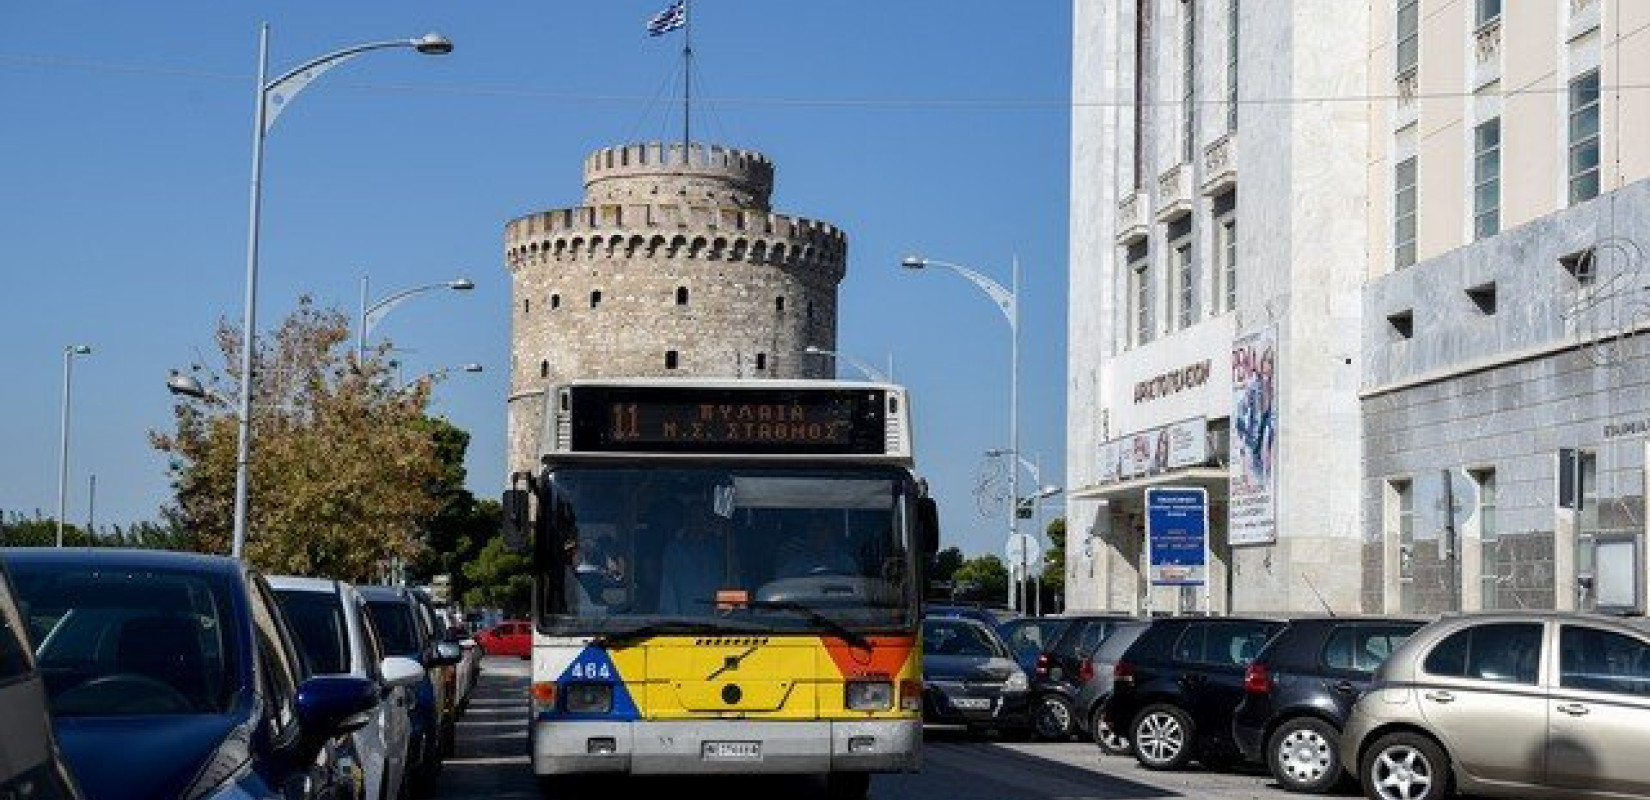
{"x":673,"y":632}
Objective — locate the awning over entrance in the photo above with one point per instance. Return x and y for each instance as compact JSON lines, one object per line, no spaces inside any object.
{"x":1212,"y":478}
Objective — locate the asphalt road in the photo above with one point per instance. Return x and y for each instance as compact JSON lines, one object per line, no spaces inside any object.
{"x":490,"y":762}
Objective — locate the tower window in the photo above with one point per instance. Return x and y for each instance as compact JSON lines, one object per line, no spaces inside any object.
{"x":670,"y":359}
{"x":527,"y":306}
{"x":681,"y":295}
{"x":544,"y":369}
{"x":761,"y":360}
{"x":555,"y":302}
{"x":779,"y":304}
{"x":595,"y":299}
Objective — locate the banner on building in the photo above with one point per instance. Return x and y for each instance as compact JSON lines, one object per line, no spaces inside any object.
{"x":1172,"y":446}
{"x":1252,"y":499}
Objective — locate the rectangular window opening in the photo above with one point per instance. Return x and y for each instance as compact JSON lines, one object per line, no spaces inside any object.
{"x":1486,"y":179}
{"x":1582,"y":266}
{"x":1402,"y":324}
{"x":1483,"y":297}
{"x":1584,"y":138}
{"x":1403,"y":213}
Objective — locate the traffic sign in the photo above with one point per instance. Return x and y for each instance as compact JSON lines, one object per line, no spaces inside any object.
{"x":1023,"y":548}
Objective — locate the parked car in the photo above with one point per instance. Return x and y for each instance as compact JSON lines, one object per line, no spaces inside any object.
{"x":468,"y":668}
{"x":443,"y":671}
{"x":1299,"y":689}
{"x":992,"y":617}
{"x":1060,"y":672}
{"x":398,"y":618}
{"x":1091,"y":697}
{"x":512,"y":637}
{"x":1507,"y":704}
{"x":336,"y":635}
{"x":970,"y":678}
{"x":175,"y":675}
{"x":1028,"y":637}
{"x":1174,"y":689}
{"x":31,"y":763}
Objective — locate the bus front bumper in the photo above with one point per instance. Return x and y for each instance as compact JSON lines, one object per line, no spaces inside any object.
{"x":711,"y":747}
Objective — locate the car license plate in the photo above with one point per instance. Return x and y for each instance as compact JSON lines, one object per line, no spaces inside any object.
{"x":733,"y":751}
{"x":972,"y":703}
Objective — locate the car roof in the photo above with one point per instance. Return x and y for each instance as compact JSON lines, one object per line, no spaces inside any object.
{"x":303,"y":583}
{"x":375,"y":592}
{"x":138,"y":558}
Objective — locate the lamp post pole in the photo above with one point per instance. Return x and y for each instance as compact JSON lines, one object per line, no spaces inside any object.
{"x":1008,"y":302}
{"x":370,"y":315}
{"x":274,"y":96}
{"x":69,"y":353}
{"x":866,"y":369}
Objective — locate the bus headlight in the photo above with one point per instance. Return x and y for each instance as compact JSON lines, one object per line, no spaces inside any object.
{"x":870,"y":695}
{"x":589,"y":698}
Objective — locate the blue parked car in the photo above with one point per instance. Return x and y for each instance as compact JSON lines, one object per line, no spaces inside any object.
{"x":173,"y":676}
{"x":31,"y":764}
{"x":399,"y":615}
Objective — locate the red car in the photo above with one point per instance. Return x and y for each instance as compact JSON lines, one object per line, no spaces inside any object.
{"x":508,"y":638}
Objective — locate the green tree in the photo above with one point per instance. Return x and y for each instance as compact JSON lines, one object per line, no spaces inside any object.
{"x":454,"y":535}
{"x":500,"y":579}
{"x":983,"y":578}
{"x":1054,"y":561}
{"x":21,"y":531}
{"x":342,"y":462}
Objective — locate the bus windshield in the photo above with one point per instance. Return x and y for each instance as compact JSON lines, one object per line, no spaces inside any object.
{"x":717,"y":547}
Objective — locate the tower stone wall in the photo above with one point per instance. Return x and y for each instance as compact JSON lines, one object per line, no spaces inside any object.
{"x":673,"y":266}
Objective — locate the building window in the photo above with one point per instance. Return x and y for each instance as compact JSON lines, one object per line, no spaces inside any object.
{"x":595,"y":299}
{"x":670,"y":359}
{"x":779,"y":304}
{"x":544,"y":369}
{"x":1404,"y":494}
{"x":1231,"y":65}
{"x":555,"y":302}
{"x":1584,"y":137}
{"x":1140,"y":273}
{"x":1489,"y":575}
{"x":1402,"y":325}
{"x":761,"y":361}
{"x":681,"y":295}
{"x":1486,"y":11}
{"x":1142,"y":92}
{"x":1185,"y":279}
{"x":1486,"y":179}
{"x":1403,"y":213}
{"x":527,"y":305}
{"x":1228,"y":263}
{"x":1188,"y":78}
{"x":1409,"y":36}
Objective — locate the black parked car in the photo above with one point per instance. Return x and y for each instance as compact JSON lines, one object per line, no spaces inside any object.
{"x":1174,"y":689}
{"x":970,"y":679}
{"x":1091,"y":697}
{"x":1300,"y":688}
{"x":1028,"y":637}
{"x":1061,"y":670}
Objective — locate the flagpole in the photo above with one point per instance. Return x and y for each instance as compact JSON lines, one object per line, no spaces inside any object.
{"x":687,"y":77}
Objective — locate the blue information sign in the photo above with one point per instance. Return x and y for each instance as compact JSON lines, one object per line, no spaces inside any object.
{"x":1177,"y":530}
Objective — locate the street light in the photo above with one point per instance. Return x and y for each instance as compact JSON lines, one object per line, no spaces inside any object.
{"x":273,"y":97}
{"x":1008,"y":302}
{"x":371,"y":315}
{"x":69,"y":352}
{"x":1033,"y":506}
{"x":440,"y":373}
{"x":869,"y":371}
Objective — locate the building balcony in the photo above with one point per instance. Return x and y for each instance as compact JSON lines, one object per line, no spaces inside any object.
{"x":1486,"y":63}
{"x":1220,"y":165}
{"x":1174,"y":192}
{"x":1405,"y":86}
{"x":1131,"y":219}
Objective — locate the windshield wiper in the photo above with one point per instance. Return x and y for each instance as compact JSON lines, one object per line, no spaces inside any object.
{"x":842,"y":632}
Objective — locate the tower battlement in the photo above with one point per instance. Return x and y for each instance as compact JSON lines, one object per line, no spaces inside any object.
{"x":697,"y":174}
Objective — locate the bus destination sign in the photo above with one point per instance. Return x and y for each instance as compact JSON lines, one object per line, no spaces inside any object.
{"x":669,"y":419}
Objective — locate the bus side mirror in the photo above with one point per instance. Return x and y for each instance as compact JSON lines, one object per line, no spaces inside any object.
{"x":515,"y":519}
{"x":928,"y":525}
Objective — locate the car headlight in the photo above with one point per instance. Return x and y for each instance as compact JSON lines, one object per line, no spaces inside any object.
{"x":870,"y":695}
{"x":1016,"y":682}
{"x":589,"y":698}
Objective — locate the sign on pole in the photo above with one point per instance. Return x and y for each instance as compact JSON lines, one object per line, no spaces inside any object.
{"x":1177,"y":535}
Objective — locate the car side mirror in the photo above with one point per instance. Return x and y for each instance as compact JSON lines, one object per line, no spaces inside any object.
{"x":445,"y":654}
{"x":516,"y":510}
{"x":400,"y":671}
{"x":333,"y":705}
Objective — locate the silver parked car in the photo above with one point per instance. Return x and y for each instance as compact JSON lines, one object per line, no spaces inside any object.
{"x":1507,"y":704}
{"x":337,"y":636}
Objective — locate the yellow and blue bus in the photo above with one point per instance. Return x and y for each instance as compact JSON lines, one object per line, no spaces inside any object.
{"x":681,"y":624}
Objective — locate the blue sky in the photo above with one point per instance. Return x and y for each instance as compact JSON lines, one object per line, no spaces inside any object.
{"x":938,"y":128}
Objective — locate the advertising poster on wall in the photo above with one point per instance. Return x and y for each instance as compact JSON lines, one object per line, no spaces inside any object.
{"x":1252,"y":499}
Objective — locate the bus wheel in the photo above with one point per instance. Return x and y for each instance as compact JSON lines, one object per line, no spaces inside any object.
{"x":847,"y":785}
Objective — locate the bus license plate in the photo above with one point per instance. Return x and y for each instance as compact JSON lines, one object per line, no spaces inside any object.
{"x":733,"y":751}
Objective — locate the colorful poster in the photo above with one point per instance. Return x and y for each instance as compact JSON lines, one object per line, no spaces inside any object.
{"x":1252,"y":500}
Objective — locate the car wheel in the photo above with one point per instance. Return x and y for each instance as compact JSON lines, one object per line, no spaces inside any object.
{"x":1053,"y":719}
{"x":1405,"y":766}
{"x":1162,"y":737}
{"x":1303,"y":755}
{"x":1107,"y":739}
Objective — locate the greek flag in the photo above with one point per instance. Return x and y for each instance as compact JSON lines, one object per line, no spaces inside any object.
{"x":674,"y":16}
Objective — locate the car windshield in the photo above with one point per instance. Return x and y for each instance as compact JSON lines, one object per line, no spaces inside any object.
{"x":318,"y":620}
{"x":396,"y":628}
{"x":960,"y":637}
{"x":116,"y":642}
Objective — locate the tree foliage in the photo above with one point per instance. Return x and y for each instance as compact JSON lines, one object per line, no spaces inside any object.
{"x":1054,"y":561}
{"x":344,"y":468}
{"x":500,"y":578}
{"x":985,"y":577}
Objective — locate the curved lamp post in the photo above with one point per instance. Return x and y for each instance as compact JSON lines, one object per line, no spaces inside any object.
{"x":69,"y":352}
{"x":440,"y":373}
{"x":1008,"y":302}
{"x":371,"y":315}
{"x":273,"y":97}
{"x":866,"y":369}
